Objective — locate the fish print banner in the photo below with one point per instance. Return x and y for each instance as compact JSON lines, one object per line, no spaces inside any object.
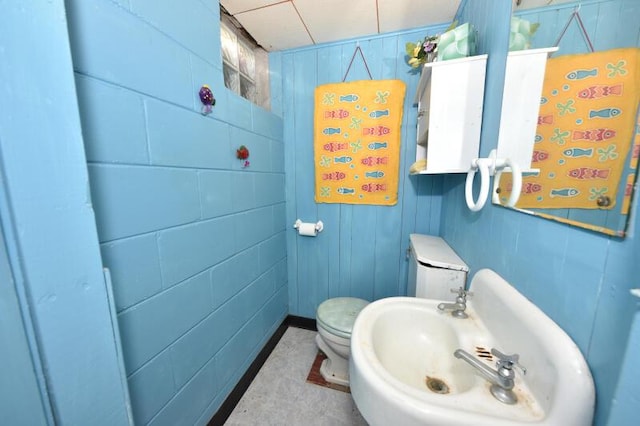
{"x":631,"y":170}
{"x":357,"y":141}
{"x":586,"y":125}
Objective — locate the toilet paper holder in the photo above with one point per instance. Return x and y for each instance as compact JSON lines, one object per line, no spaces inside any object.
{"x":318,"y":226}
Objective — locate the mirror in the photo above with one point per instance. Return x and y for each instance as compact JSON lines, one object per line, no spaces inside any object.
{"x":587,"y":139}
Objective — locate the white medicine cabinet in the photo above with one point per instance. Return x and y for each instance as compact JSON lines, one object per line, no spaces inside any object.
{"x":449,"y":97}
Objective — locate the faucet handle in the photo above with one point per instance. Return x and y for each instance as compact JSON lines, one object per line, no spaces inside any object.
{"x":461,"y":292}
{"x":508,"y":361}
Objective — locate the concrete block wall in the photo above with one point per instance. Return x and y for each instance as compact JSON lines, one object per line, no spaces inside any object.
{"x":195,"y":243}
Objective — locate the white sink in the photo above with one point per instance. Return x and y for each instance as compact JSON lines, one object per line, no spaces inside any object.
{"x":403,"y":371}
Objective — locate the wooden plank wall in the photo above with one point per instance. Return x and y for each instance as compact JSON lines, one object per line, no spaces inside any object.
{"x":362,"y":251}
{"x":579,"y":278}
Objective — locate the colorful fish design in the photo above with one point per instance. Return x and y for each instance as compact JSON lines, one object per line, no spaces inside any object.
{"x":346,"y":191}
{"x":344,"y":159}
{"x":349,"y":98}
{"x":374,"y":187}
{"x":578,"y":152}
{"x":594,"y":135}
{"x":531,"y":187}
{"x":333,"y":176}
{"x":335,"y":146}
{"x":600,"y":91}
{"x":331,"y":130}
{"x":379,"y":113}
{"x":336,"y":114}
{"x":604,"y":113}
{"x":582,"y":74}
{"x":378,"y":131}
{"x":564,"y":192}
{"x":539,"y":155}
{"x":583,"y":173}
{"x":545,"y":119}
{"x":628,"y":189}
{"x":374,"y":161}
{"x":377,"y":145}
{"x":375,"y":175}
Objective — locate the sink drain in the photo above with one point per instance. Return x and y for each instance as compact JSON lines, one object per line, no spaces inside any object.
{"x":436,"y":385}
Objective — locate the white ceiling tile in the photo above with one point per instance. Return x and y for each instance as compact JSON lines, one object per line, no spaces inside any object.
{"x":237,"y":6}
{"x":331,"y":20}
{"x":530,"y":4}
{"x":276,"y":27}
{"x":398,"y":15}
{"x":285,"y":24}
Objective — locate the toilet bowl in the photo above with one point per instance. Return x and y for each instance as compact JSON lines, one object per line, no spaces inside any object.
{"x":334,"y":320}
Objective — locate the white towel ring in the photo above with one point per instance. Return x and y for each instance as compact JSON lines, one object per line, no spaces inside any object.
{"x":516,"y":174}
{"x":483,"y":167}
{"x":516,"y":179}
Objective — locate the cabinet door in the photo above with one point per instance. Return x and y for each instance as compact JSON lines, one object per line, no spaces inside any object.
{"x":449,"y":97}
{"x":423,"y":115}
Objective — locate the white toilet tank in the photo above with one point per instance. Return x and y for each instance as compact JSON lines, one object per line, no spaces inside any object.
{"x":434,"y":268}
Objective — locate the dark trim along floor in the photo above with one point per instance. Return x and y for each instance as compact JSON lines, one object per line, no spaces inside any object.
{"x":234,"y":397}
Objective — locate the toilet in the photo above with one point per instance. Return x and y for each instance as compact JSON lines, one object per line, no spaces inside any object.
{"x":434,"y":269}
{"x":334,"y":320}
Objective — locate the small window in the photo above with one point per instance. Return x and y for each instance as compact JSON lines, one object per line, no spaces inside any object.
{"x":245,"y":64}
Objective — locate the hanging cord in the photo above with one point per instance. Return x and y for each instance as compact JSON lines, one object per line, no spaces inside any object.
{"x":576,"y":14}
{"x":351,"y":63}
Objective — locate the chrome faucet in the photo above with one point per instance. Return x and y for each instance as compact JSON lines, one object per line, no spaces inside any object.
{"x":457,"y":309}
{"x":501,"y":379}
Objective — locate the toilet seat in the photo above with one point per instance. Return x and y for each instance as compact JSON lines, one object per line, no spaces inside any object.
{"x":337,"y":315}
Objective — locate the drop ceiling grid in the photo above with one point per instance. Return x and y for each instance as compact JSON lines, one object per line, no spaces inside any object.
{"x":275,"y":27}
{"x":238,"y":6}
{"x":286,"y":24}
{"x":332,"y":20}
{"x":396,"y":15}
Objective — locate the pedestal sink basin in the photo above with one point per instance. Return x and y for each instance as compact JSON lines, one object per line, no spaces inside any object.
{"x":403,"y":370}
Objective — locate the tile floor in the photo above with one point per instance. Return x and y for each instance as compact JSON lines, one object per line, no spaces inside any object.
{"x":279,"y":394}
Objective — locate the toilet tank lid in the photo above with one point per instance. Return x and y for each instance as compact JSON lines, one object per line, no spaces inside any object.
{"x":434,"y":251}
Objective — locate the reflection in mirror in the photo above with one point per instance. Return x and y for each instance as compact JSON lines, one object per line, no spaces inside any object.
{"x":587,"y":139}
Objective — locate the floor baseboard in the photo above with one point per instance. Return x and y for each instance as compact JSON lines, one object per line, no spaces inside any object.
{"x":301,"y":322}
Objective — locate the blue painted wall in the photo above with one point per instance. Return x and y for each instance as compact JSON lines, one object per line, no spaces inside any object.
{"x":361,"y":252}
{"x":195,"y":243}
{"x":579,"y":278}
{"x":61,"y":349}
{"x":21,"y":401}
{"x":624,"y":407}
{"x":609,"y":23}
